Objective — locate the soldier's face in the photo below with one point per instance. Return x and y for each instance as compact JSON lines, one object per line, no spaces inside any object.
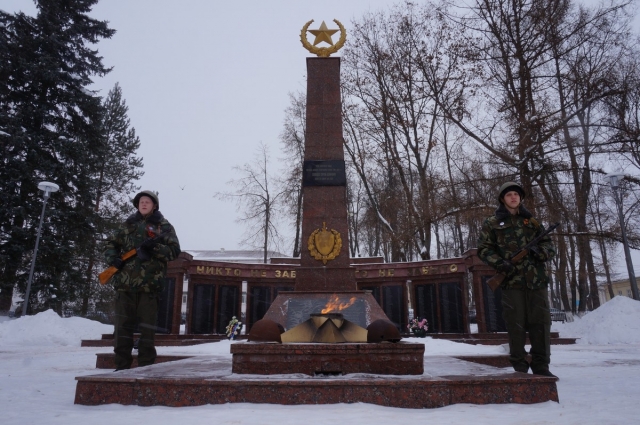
{"x":512,"y":199}
{"x":145,"y":205}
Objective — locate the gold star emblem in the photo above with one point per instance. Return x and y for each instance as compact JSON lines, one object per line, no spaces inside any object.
{"x":323,"y":34}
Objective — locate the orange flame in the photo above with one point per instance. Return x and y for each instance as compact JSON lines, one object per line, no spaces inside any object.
{"x":335,"y":304}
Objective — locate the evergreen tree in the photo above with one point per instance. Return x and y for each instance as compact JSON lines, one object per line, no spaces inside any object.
{"x":51,"y":130}
{"x":117,"y":173}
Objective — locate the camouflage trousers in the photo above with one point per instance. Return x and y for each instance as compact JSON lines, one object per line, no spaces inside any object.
{"x":527,"y":311}
{"x":135,"y":309}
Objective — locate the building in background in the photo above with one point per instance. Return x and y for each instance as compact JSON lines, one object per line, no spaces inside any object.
{"x":620,"y":288}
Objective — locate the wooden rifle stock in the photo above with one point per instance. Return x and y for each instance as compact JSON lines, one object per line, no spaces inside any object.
{"x":495,"y":281}
{"x":108,"y":273}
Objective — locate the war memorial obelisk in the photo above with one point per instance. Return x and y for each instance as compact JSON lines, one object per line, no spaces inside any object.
{"x":325,"y":273}
{"x":324,"y":258}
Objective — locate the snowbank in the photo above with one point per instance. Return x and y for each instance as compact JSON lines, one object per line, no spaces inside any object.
{"x":47,"y":328}
{"x":614,"y":322}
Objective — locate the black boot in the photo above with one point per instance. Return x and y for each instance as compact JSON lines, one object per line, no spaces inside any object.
{"x":521,"y":368}
{"x":544,"y":372}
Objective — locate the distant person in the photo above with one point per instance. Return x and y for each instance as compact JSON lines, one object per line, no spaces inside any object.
{"x":525,"y":299}
{"x":140,"y":279}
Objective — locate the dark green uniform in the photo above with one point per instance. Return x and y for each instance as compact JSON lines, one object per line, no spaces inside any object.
{"x":139,"y":284}
{"x":525,"y":300}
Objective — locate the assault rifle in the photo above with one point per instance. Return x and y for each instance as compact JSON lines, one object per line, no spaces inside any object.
{"x":495,"y":281}
{"x":106,"y":275}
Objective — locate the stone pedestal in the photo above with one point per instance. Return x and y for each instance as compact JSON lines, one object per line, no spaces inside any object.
{"x":328,"y":359}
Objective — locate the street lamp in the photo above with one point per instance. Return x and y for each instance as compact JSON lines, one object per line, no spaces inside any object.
{"x":48,"y":189}
{"x":614,"y":179}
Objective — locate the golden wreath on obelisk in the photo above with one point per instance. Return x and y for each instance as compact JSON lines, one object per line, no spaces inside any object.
{"x":324,"y":244}
{"x":323,"y":34}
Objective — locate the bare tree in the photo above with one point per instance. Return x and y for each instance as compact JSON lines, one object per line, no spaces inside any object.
{"x":293,"y":139}
{"x":440,"y":107}
{"x":392,"y":121}
{"x":257,"y":202}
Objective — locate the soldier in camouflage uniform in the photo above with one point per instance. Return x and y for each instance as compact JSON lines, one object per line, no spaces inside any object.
{"x":525,"y":301}
{"x":140,"y":279}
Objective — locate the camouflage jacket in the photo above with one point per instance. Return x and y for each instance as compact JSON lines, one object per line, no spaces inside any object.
{"x":137,"y":275}
{"x":503,"y":234}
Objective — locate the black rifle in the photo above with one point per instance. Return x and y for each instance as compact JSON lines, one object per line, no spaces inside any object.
{"x":495,"y":281}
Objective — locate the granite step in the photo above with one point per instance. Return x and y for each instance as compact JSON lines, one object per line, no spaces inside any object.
{"x":484,"y":335}
{"x":163,"y":340}
{"x":202,"y":380}
{"x":158,"y":343}
{"x":495,"y":338}
{"x":107,"y":360}
{"x":492,"y":341}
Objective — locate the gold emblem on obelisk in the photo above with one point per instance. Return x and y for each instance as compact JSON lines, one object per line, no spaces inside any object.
{"x":323,"y":34}
{"x":324,"y":244}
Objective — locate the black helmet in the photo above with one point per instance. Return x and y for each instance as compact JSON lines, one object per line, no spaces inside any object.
{"x":148,"y":193}
{"x":508,"y":187}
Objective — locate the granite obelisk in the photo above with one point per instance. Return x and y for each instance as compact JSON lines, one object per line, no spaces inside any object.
{"x":325,"y":279}
{"x":324,"y":261}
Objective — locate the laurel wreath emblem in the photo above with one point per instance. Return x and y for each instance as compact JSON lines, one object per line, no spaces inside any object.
{"x":323,"y":52}
{"x":313,"y":249}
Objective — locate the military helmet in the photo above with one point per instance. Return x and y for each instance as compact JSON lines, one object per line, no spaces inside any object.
{"x":509,"y":186}
{"x":148,"y":193}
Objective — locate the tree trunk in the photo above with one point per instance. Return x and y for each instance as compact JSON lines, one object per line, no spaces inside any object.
{"x":562,"y":273}
{"x":571,"y":263}
{"x":594,"y":299}
{"x":297,"y":241}
{"x":605,"y":263}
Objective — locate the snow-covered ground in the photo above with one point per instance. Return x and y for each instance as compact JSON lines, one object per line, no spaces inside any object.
{"x":599,"y":380}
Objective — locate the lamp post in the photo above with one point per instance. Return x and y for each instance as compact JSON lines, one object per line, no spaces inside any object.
{"x":614,"y":179}
{"x":48,"y":189}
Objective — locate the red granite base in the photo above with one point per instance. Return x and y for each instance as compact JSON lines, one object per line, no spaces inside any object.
{"x":162,"y":340}
{"x":337,"y":359}
{"x":208,"y":380}
{"x":108,"y":360}
{"x":493,"y":338}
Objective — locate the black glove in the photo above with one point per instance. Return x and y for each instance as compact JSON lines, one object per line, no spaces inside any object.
{"x":117,"y":263}
{"x":506,"y":267}
{"x":149,"y":244}
{"x":144,"y":254}
{"x":537,"y":253}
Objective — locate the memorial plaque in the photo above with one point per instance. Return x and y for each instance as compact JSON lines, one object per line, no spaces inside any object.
{"x":227,"y":306}
{"x":451,"y":307}
{"x":202,"y":310}
{"x":492,"y":307}
{"x":426,"y":306}
{"x":165,"y":306}
{"x":393,"y":305}
{"x":324,"y":173}
{"x":259,"y":302}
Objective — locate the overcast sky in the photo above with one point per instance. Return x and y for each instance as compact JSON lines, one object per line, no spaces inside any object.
{"x":207,"y":81}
